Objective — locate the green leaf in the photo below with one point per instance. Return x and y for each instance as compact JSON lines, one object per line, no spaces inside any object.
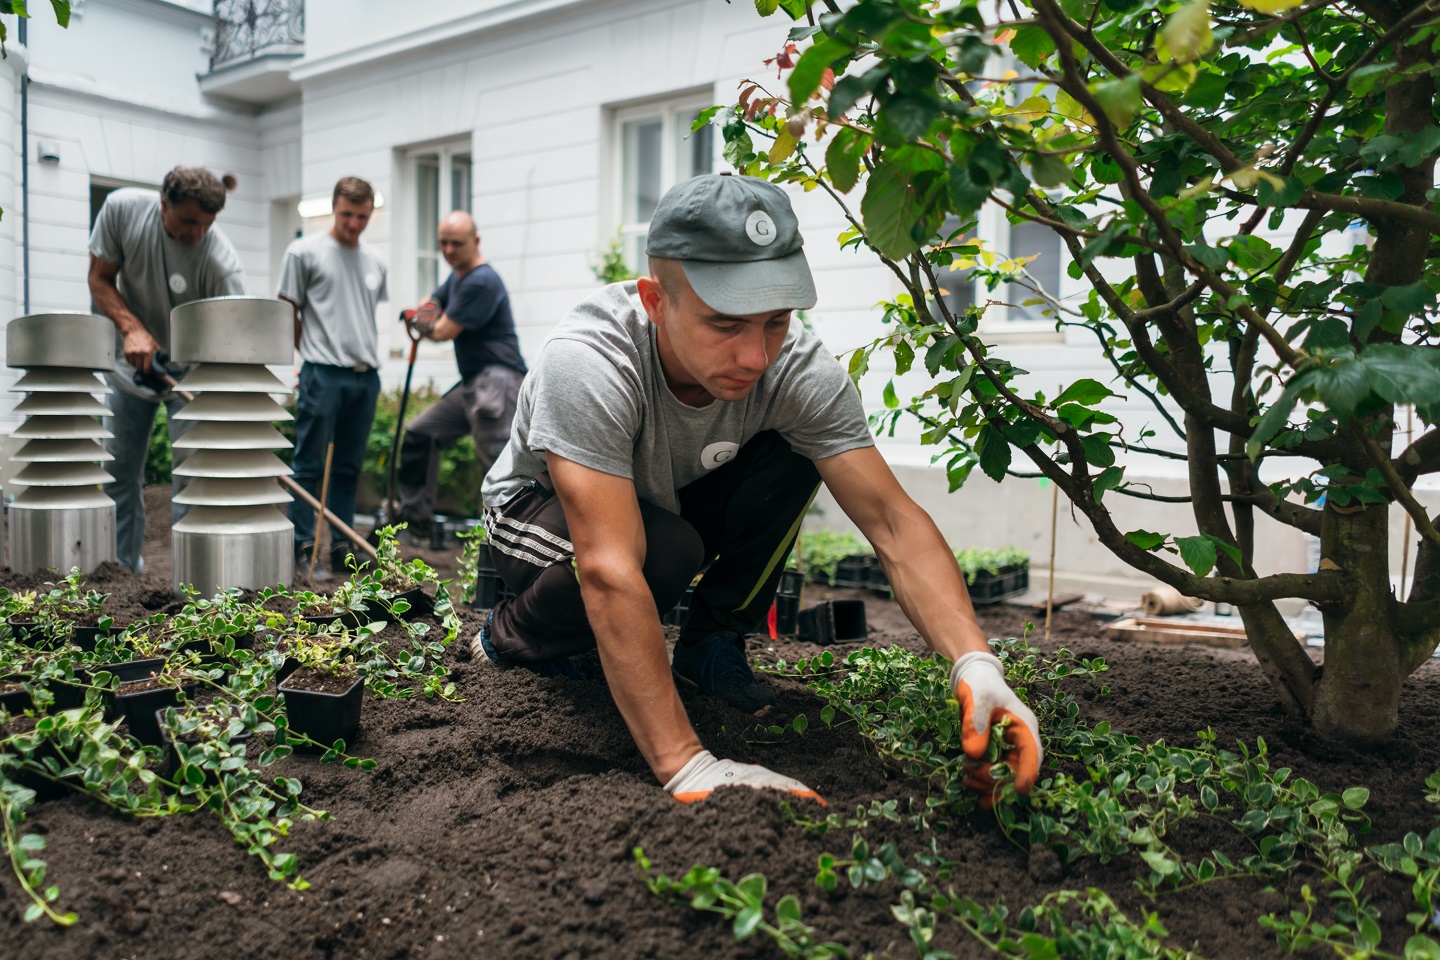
{"x":1085,"y":392}
{"x":62,"y":11}
{"x":788,"y":909}
{"x":801,"y":723}
{"x":1268,"y":195}
{"x":1031,"y":45}
{"x":1212,"y":257}
{"x":1120,"y":99}
{"x":747,"y":921}
{"x":1049,"y":170}
{"x":1421,"y":947}
{"x":811,"y":67}
{"x":1145,"y":539}
{"x":1355,"y":797}
{"x":1343,"y":386}
{"x":1277,"y":416}
{"x":1401,"y":373}
{"x":899,"y":201}
{"x":1198,"y":554}
{"x":994,"y":452}
{"x":842,"y":158}
{"x":1408,"y":300}
{"x":1108,"y":479}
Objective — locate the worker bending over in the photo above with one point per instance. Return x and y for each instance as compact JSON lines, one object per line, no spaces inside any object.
{"x":149,"y":253}
{"x":472,"y":309}
{"x":683,"y":419}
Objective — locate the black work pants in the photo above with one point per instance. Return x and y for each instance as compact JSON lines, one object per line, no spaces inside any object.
{"x":741,"y":519}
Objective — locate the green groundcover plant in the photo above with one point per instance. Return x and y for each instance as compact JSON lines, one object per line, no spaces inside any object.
{"x":1104,"y":795}
{"x":229,"y":735}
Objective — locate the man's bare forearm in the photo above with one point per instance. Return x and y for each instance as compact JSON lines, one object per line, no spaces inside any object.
{"x":107,"y":298}
{"x":927,"y":582}
{"x":632,"y":651}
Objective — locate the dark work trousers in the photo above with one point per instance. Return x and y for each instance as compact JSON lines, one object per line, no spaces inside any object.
{"x":742,"y":519}
{"x":481,"y":405}
{"x":335,"y":404}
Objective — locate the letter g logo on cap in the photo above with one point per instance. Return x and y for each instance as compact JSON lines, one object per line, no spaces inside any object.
{"x":760,"y":228}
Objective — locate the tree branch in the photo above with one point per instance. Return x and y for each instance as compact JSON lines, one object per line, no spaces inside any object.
{"x":1398,"y":488}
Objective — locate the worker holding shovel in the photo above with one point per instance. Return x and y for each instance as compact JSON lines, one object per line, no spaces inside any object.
{"x":471,"y":309}
{"x":683,"y":419}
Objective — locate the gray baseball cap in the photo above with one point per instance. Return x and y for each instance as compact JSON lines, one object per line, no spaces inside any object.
{"x":738,"y":241}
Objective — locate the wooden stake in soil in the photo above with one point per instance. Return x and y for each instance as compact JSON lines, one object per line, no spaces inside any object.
{"x":320,"y":517}
{"x":1050,"y":592}
{"x":1405,"y":536}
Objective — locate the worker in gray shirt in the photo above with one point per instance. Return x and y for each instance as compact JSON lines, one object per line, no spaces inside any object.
{"x":149,"y":253}
{"x":334,"y":283}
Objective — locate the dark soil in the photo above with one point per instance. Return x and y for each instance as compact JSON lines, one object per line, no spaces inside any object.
{"x":503,"y":826}
{"x":318,"y":682}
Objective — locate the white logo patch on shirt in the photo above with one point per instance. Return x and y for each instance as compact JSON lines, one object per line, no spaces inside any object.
{"x":718,"y":454}
{"x":760,"y":228}
{"x":178,"y":284}
{"x":372,"y":281}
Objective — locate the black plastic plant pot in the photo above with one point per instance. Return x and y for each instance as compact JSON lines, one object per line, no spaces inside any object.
{"x":880,"y":583}
{"x":26,"y":631}
{"x":322,"y":715}
{"x":85,"y":638}
{"x":70,"y":694}
{"x":995,"y":587}
{"x":791,"y":582}
{"x":853,"y":572}
{"x":833,"y":621}
{"x":45,"y":788}
{"x":139,"y":701}
{"x":172,"y":754}
{"x":490,"y":589}
{"x":131,"y":671}
{"x":420,"y":606}
{"x":787,"y":614}
{"x":14,"y":698}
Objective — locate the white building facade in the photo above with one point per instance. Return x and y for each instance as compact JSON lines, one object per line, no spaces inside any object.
{"x":557,"y":123}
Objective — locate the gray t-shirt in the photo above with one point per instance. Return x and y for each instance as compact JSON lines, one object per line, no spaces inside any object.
{"x":157,"y":273}
{"x":337,"y":289}
{"x":597,"y":395}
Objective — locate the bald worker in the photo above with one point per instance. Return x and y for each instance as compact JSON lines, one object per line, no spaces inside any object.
{"x":471,"y":308}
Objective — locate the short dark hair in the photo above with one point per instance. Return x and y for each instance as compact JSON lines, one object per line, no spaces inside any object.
{"x":353,"y":189}
{"x":184,"y":184}
{"x":670,"y":274}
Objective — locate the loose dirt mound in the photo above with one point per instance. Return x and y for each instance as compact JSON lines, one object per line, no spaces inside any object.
{"x":503,"y":826}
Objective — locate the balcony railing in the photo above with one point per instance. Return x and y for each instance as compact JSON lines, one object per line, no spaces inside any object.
{"x":245,"y":29}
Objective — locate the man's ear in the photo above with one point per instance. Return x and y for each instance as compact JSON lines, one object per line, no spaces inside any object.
{"x":652,"y":298}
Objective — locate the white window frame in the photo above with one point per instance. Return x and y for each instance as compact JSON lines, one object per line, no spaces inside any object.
{"x":675,"y":113}
{"x":994,"y":229}
{"x":423,"y":247}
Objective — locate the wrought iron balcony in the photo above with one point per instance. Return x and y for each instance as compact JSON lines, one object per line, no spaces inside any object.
{"x":246,"y":29}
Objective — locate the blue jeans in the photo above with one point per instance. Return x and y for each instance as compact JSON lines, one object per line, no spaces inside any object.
{"x":131,"y":420}
{"x":336,"y":404}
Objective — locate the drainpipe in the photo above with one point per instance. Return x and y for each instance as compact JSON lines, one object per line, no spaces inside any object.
{"x":25,"y":166}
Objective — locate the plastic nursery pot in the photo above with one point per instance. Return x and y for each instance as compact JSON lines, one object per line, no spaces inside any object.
{"x":45,"y":789}
{"x":853,"y":572}
{"x":26,"y":630}
{"x":14,"y":698}
{"x":324,"y":707}
{"x":880,"y":583}
{"x":420,"y":605}
{"x":993,"y":587}
{"x":86,"y":637}
{"x":319,"y":619}
{"x":833,"y":621}
{"x":170,"y":745}
{"x":130,"y":671}
{"x":490,"y":589}
{"x":139,"y":701}
{"x":209,"y":648}
{"x":791,"y":583}
{"x":787,"y":614}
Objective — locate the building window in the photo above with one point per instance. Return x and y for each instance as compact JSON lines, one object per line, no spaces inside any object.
{"x":656,"y":150}
{"x":1008,"y":240}
{"x":442,"y":179}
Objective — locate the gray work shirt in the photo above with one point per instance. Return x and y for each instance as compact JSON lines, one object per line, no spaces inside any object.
{"x":157,"y":273}
{"x":598,"y":396}
{"x":337,"y":288}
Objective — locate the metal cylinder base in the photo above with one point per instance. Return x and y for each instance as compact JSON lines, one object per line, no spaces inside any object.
{"x":44,"y":538}
{"x":212,"y":560}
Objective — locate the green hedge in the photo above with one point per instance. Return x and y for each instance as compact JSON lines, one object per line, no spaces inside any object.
{"x":459,"y":492}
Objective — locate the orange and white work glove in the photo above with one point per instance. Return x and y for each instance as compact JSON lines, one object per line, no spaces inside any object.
{"x":978,"y":681}
{"x":705,"y":772}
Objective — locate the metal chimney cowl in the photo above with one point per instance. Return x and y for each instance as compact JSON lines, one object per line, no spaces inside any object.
{"x":62,"y":518}
{"x":234,"y":534}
